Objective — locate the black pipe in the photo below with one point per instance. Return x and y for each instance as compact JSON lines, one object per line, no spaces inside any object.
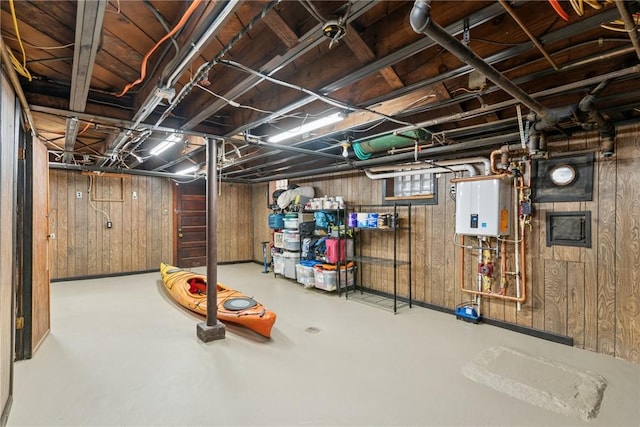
{"x":606,"y":128}
{"x":421,"y":22}
{"x":212,"y":237}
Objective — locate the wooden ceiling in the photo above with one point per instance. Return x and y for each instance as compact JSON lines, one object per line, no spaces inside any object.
{"x":106,"y":82}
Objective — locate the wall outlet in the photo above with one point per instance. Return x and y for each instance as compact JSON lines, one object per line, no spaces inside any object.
{"x":78,"y":194}
{"x":134,"y":195}
{"x":109,"y":224}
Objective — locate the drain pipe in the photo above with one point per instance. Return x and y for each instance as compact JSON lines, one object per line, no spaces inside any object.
{"x":606,"y":128}
{"x":421,"y":22}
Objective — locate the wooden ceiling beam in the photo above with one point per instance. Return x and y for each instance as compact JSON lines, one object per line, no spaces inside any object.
{"x":364,"y":53}
{"x":90,"y":17}
{"x":280,"y":28}
{"x":89,"y":20}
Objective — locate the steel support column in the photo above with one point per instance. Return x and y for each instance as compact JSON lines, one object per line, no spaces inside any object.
{"x":212,"y":329}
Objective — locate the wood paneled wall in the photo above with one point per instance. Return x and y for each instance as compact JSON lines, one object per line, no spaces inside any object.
{"x":9,"y":126}
{"x":235,"y":223}
{"x":139,"y":239}
{"x":261,"y":229}
{"x":589,"y":294}
{"x":143,"y":231}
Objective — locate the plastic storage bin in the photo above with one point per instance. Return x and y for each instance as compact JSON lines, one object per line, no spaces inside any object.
{"x":276,"y":221}
{"x":291,"y":240}
{"x":305,"y":275}
{"x":278,"y":240}
{"x":278,"y":263}
{"x":327,"y":279}
{"x":290,"y":259}
{"x":291,"y":223}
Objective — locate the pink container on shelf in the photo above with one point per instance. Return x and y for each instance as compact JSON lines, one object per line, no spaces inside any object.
{"x":335,"y":250}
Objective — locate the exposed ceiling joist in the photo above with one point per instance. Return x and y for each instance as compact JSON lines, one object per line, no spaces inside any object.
{"x":89,"y":20}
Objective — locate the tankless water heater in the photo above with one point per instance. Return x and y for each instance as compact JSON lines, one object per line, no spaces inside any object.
{"x":483,"y":206}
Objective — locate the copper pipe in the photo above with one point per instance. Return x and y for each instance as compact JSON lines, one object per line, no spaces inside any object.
{"x":462,"y":262}
{"x":480,"y":178}
{"x":523,"y":271}
{"x":629,"y":25}
{"x":523,"y":265}
{"x":503,"y":267}
{"x":492,"y":295}
{"x":523,"y":258}
{"x":533,"y":38}
{"x":492,"y":159}
{"x":505,"y":152}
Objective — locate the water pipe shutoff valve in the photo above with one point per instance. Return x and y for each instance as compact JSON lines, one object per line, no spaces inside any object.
{"x":485,"y":269}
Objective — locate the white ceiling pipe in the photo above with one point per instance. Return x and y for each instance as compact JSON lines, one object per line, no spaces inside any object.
{"x":448,"y":169}
{"x":466,"y":161}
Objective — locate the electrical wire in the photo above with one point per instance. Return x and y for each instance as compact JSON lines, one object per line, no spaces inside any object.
{"x":204,"y":69}
{"x":312,"y":11}
{"x":232,"y":102}
{"x":64,"y":46}
{"x":618,"y":24}
{"x":20,"y":68}
{"x":326,"y":99}
{"x":143,"y":67}
{"x":91,"y":201}
{"x":493,"y":42}
{"x":117,"y":11}
{"x":559,"y":10}
{"x":162,"y":22}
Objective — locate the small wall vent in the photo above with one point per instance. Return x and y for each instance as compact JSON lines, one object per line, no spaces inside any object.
{"x":569,"y":229}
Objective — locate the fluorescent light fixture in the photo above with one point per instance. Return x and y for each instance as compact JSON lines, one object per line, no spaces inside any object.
{"x":188,"y":170}
{"x":307,"y":127}
{"x":172,"y":139}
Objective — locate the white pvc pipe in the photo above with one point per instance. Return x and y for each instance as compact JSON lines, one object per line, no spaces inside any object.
{"x":448,"y":169}
{"x":468,"y":160}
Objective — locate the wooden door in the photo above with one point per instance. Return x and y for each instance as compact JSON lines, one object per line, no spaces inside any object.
{"x":32,"y":293}
{"x":191,"y":225}
{"x":40,"y":303}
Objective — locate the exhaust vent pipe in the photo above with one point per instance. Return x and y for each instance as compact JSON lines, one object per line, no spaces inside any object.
{"x":421,"y":22}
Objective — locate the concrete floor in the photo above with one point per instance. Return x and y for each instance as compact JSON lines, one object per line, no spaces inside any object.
{"x":121,"y":352}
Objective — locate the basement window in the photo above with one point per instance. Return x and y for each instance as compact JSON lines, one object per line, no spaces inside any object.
{"x":419,"y":188}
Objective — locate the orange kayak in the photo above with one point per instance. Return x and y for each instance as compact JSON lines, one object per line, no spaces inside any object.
{"x":190,"y":290}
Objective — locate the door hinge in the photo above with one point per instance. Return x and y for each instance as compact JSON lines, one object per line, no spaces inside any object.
{"x":22,"y":153}
{"x":19,"y":322}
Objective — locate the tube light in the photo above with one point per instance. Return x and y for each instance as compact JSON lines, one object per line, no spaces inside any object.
{"x":164,"y":145}
{"x":308,"y":127}
{"x":188,"y":170}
